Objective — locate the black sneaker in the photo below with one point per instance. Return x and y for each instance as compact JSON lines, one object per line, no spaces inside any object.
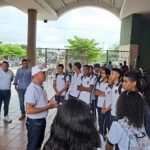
{"x":22,"y":117}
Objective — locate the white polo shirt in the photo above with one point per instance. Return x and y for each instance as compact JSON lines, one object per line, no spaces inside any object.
{"x":61,"y":81}
{"x":36,"y":95}
{"x":108,"y":99}
{"x":93,"y":92}
{"x":101,"y":86}
{"x":114,"y":96}
{"x":118,"y":136}
{"x":5,"y":79}
{"x":75,"y":81}
{"x":86,"y":82}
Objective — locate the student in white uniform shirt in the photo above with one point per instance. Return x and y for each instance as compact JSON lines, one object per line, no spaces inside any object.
{"x":93,"y":97}
{"x":106,"y":110}
{"x":6,"y":77}
{"x":101,"y":87}
{"x":37,"y":106}
{"x":132,"y":81}
{"x":60,"y":84}
{"x":86,"y":86}
{"x":116,"y":77}
{"x":75,"y":81}
{"x":130,"y":115}
{"x":97,"y":69}
{"x":92,"y":72}
{"x":97,"y":73}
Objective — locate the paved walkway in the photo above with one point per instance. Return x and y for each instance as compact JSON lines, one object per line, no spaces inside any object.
{"x":13,"y":135}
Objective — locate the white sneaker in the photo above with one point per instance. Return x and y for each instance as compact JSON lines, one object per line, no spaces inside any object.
{"x":7,"y":119}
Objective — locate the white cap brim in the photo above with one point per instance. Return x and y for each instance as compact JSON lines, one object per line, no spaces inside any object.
{"x":36,"y":70}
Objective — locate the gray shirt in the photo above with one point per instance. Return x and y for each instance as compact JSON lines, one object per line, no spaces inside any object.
{"x":23,"y":78}
{"x":35,"y":95}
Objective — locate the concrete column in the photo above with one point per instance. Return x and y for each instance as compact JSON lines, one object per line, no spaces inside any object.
{"x":31,"y":45}
{"x":135,"y":36}
{"x":130,"y":37}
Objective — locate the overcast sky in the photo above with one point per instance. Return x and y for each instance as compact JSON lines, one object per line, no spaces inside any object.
{"x":86,"y":22}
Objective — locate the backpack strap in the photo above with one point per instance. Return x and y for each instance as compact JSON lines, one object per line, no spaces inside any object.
{"x":120,"y":88}
{"x":65,"y":76}
{"x":70,"y":76}
{"x":82,"y":77}
{"x":56,"y":75}
{"x":97,"y":81}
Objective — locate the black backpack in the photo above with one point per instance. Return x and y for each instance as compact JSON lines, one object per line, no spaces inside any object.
{"x":120,"y":88}
{"x":70,"y":75}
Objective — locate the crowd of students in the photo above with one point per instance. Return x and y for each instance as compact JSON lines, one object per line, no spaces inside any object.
{"x":95,"y":104}
{"x":119,"y":100}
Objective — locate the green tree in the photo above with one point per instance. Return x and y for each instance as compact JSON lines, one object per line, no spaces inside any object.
{"x":12,"y":51}
{"x":1,"y":51}
{"x":83,"y":48}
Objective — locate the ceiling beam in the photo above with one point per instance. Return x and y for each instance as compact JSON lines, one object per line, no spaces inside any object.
{"x":63,"y":3}
{"x":112,"y":3}
{"x":96,"y":3}
{"x":47,"y":7}
{"x":100,"y":1}
{"x":124,"y":4}
{"x":76,"y":1}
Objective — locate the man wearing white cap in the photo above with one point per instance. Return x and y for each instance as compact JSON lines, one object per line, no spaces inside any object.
{"x":37,"y":107}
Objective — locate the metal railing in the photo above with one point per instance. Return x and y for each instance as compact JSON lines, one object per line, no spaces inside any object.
{"x":52,"y":56}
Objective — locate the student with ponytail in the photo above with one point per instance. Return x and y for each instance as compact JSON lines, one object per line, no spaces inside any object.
{"x":100,"y":89}
{"x":137,"y":81}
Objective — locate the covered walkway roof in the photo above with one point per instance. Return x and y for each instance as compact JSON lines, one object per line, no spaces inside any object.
{"x":53,"y":9}
{"x":134,"y":15}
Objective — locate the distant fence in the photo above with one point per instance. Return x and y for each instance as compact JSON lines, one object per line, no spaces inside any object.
{"x":51,"y":57}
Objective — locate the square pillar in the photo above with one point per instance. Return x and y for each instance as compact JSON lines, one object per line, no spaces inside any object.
{"x":130,"y":37}
{"x":135,"y":37}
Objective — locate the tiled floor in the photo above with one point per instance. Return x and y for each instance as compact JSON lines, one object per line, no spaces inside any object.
{"x":13,"y":135}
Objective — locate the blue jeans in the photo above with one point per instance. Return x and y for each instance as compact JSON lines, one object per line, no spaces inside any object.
{"x":59,"y":99}
{"x":5,"y":97}
{"x":21,"y":100}
{"x":36,"y":132}
{"x":104,"y":121}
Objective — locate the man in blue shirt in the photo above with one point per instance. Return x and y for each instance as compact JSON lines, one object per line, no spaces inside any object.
{"x":22,"y":80}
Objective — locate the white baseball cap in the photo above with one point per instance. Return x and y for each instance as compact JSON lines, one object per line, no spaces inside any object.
{"x":37,"y":69}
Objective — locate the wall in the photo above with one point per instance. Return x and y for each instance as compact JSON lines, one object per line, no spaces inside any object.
{"x":144,"y":45}
{"x":135,"y":35}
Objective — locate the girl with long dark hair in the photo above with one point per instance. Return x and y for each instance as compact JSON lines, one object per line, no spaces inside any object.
{"x":73,"y":128}
{"x":138,"y":81}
